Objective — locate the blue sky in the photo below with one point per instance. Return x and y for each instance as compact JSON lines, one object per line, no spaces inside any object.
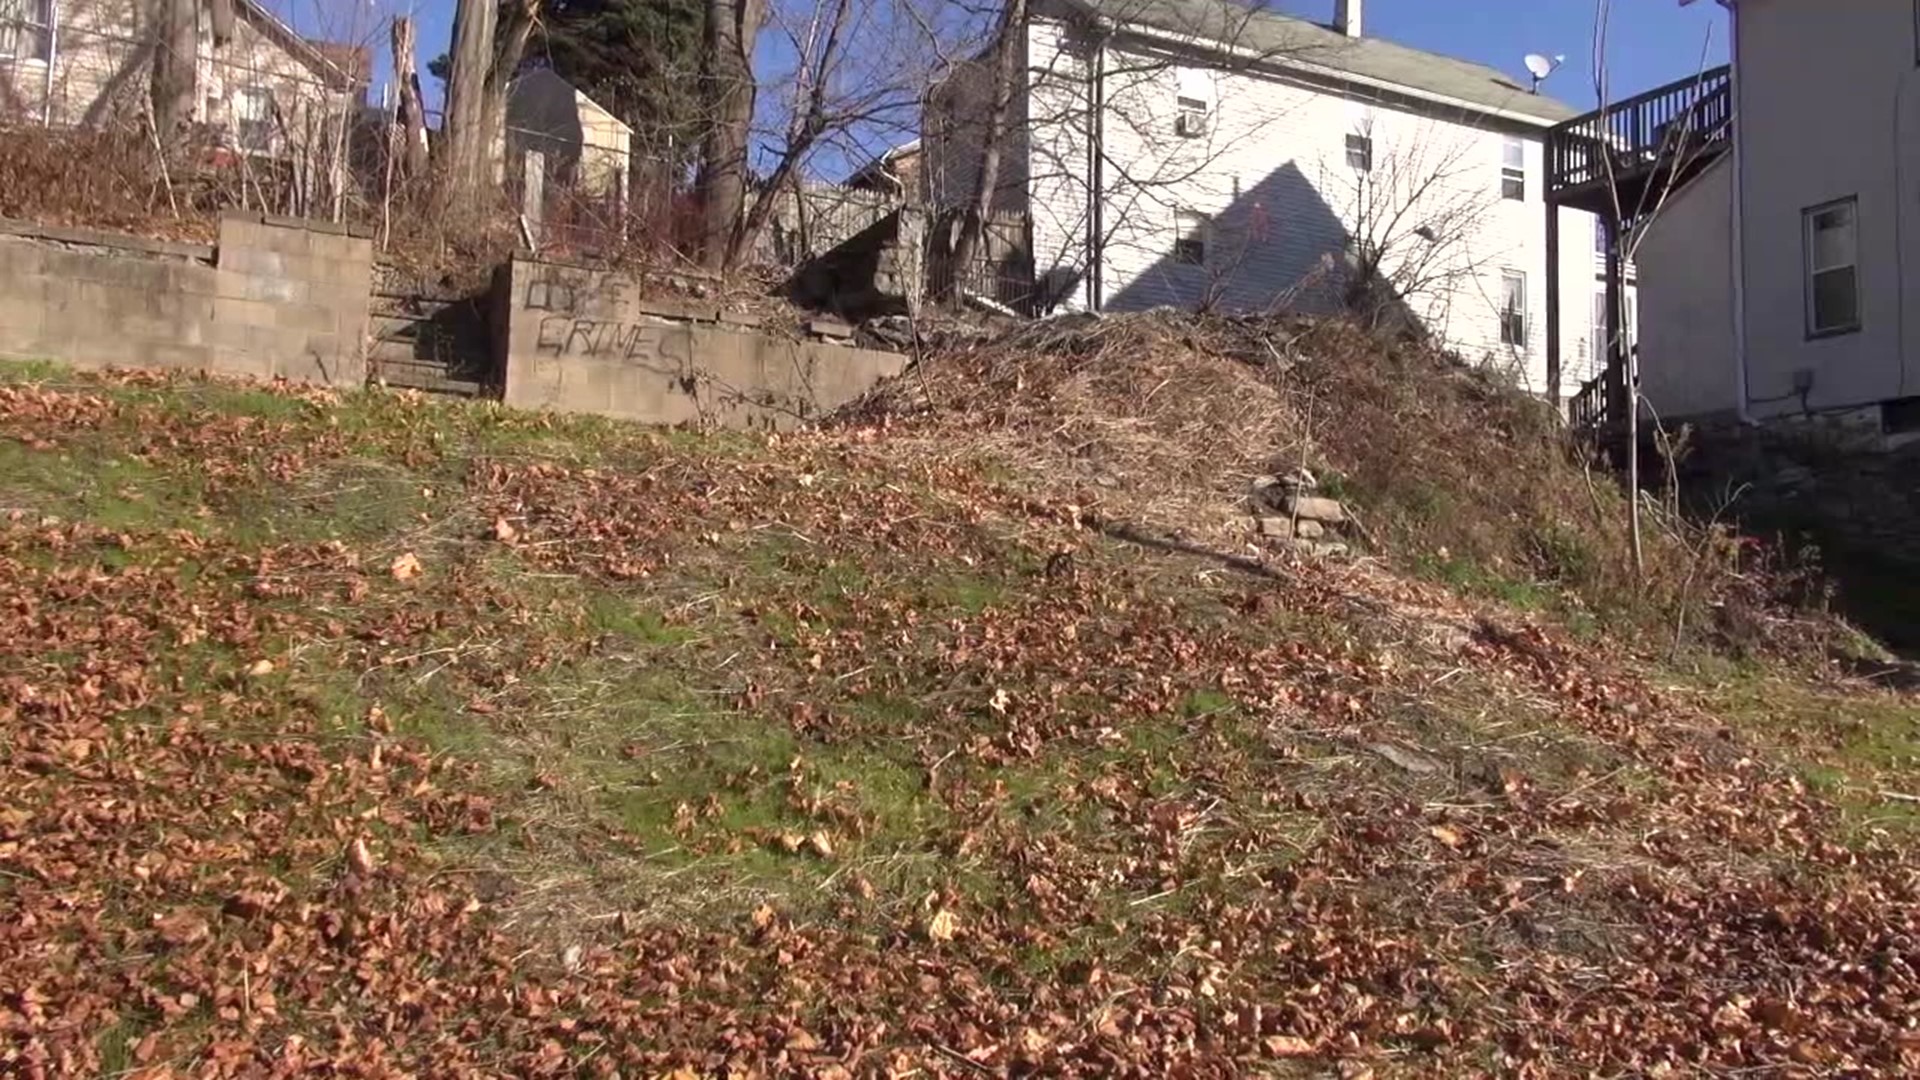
{"x":1651,"y":41}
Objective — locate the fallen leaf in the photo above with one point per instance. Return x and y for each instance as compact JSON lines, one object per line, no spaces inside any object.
{"x":504,"y":531}
{"x":1289,"y":1046}
{"x":359,"y":857}
{"x":1447,"y":835}
{"x":260,"y":668}
{"x":406,"y":567}
{"x":821,"y":843}
{"x":942,"y":926}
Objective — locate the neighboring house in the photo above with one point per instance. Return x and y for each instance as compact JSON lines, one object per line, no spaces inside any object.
{"x":1202,"y":154}
{"x":585,"y":151}
{"x":266,"y":92}
{"x":897,"y":172}
{"x":1786,"y":279}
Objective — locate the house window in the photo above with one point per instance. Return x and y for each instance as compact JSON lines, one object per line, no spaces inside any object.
{"x":1360,"y":151}
{"x":1192,"y":120}
{"x":1513,"y":308}
{"x":253,"y":119}
{"x":1513,"y":168}
{"x":1600,"y":230}
{"x":24,"y":29}
{"x":1833,"y":272}
{"x":1190,"y":238}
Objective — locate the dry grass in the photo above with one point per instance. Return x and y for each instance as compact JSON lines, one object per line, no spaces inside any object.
{"x":1163,"y":419}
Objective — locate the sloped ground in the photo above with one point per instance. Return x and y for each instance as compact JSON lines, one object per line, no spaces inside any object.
{"x":377,"y":737}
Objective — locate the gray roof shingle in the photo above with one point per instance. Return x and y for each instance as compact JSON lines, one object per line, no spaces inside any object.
{"x":1287,"y":38}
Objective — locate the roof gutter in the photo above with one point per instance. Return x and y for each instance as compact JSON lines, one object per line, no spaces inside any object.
{"x":1283,"y":62}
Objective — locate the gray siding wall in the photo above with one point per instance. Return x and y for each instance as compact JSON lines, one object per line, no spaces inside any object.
{"x":1829,"y":108}
{"x":1686,"y":300}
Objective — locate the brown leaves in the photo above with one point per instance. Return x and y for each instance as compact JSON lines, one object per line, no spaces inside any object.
{"x":406,"y":567}
{"x":942,"y":926}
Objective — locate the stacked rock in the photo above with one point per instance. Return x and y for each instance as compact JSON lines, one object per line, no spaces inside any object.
{"x":1289,"y":511}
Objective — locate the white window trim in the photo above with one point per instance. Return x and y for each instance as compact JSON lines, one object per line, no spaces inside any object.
{"x":1365,"y":148}
{"x":1515,"y":174}
{"x":1202,"y":230}
{"x":1811,"y":270}
{"x":241,"y":93}
{"x":1507,"y":312}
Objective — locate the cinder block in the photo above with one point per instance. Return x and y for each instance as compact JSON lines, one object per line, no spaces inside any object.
{"x":162,"y":354}
{"x":256,"y":260}
{"x":305,"y":318}
{"x":239,"y":311}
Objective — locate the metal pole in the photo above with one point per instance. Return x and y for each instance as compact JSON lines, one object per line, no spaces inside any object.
{"x":1553,"y":302}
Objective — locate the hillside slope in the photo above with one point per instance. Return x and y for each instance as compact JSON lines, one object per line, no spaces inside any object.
{"x":381,"y":737}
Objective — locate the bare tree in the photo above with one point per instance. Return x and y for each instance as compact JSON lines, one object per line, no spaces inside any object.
{"x":1679,"y":148}
{"x":410,"y":116}
{"x":1417,"y":211}
{"x":1007,"y":52}
{"x":1119,"y":126}
{"x":485,"y":55}
{"x":731,"y":28}
{"x":175,"y":59}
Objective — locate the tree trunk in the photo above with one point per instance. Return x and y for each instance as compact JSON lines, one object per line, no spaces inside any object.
{"x":411,"y":113}
{"x":728,"y":78}
{"x":220,"y":15}
{"x":1006,"y":57}
{"x":174,"y":61}
{"x":512,"y":36}
{"x":806,"y":130}
{"x":464,"y":137}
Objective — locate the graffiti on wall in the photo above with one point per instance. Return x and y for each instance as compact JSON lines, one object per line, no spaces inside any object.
{"x":651,"y":344}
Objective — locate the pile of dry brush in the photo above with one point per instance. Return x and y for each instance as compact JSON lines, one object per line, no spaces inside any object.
{"x":1166,"y":417}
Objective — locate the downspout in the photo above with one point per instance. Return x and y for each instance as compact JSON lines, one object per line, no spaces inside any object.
{"x":1738,"y":205}
{"x":1096,"y":174}
{"x":53,"y":53}
{"x":1900,"y":237}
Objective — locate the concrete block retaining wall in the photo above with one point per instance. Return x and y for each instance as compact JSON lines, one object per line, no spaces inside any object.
{"x":273,"y":298}
{"x":576,"y":339}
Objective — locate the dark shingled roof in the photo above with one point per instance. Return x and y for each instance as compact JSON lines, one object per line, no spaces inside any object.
{"x":1288,"y":39}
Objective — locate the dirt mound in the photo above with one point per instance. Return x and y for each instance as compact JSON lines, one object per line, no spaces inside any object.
{"x":1165,"y":418}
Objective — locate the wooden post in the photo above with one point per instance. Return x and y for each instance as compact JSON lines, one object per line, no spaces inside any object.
{"x":1616,"y":373}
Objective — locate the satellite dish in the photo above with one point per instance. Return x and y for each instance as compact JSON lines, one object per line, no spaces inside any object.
{"x":1540,"y":67}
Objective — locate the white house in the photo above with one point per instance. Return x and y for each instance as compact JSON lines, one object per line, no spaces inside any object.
{"x":1201,"y":154}
{"x":267,"y":90}
{"x":1786,"y":279}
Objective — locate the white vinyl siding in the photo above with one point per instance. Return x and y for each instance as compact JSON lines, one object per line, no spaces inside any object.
{"x":1275,"y":175}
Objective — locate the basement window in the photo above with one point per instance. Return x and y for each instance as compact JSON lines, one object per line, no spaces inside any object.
{"x":1833,"y":272}
{"x":1513,"y":169}
{"x":1360,"y":153}
{"x":1190,"y":238}
{"x":1513,"y":308}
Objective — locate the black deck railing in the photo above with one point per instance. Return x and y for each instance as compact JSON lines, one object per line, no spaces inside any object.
{"x":1688,"y":121}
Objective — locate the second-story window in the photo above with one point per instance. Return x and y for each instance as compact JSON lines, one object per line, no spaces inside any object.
{"x":24,"y":29}
{"x":1191,"y":123}
{"x":1360,"y":153}
{"x":1513,"y":168}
